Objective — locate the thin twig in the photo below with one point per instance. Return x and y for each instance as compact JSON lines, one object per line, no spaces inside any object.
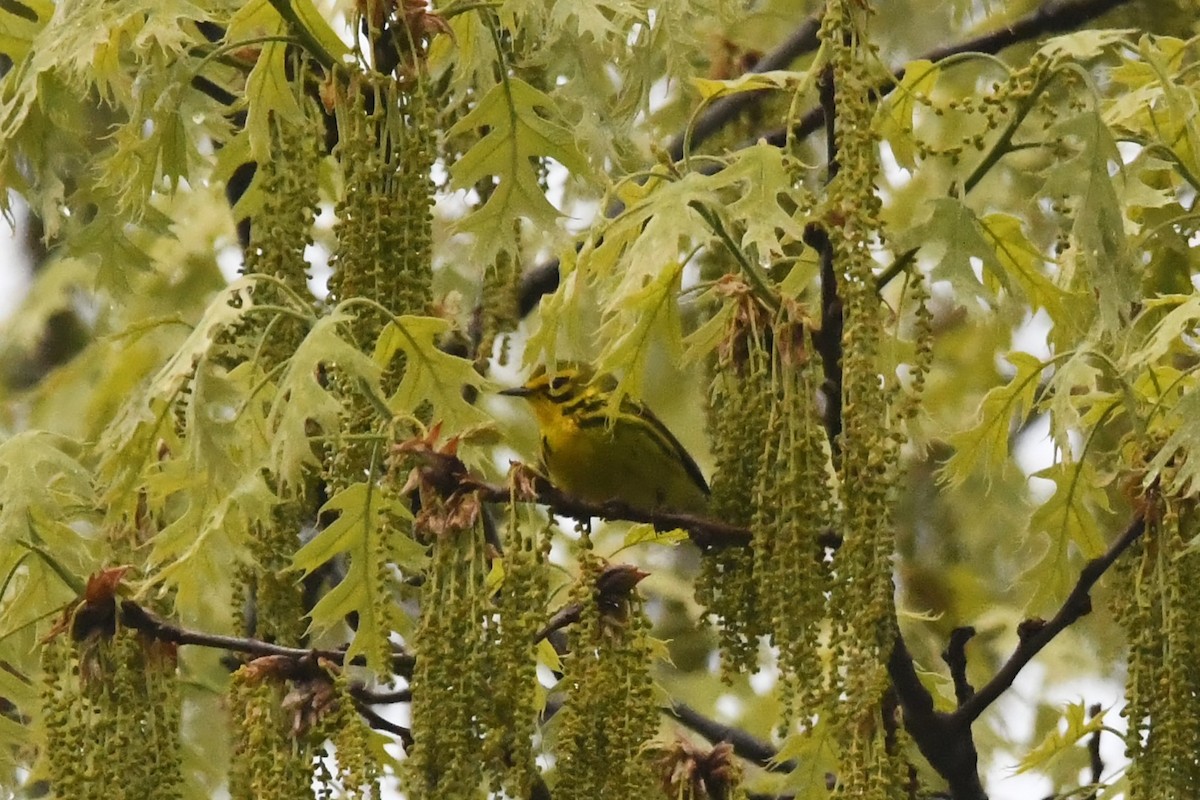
{"x":749,"y":747}
{"x":379,"y":723}
{"x":1094,"y":759}
{"x":704,"y":531}
{"x":143,"y":621}
{"x":1037,"y":634}
{"x":955,"y":657}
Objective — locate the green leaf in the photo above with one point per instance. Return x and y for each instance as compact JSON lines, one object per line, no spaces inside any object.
{"x":305,"y":394}
{"x":711,"y":89}
{"x":896,"y":114}
{"x":644,"y":532}
{"x":431,"y":375}
{"x":520,"y":127}
{"x":704,"y":340}
{"x":305,"y":14}
{"x":214,"y":493}
{"x":1177,"y":462}
{"x":45,"y":494}
{"x":364,"y":517}
{"x":1056,"y":741}
{"x":268,"y":90}
{"x":1099,"y":223}
{"x":954,"y":232}
{"x":639,"y":320}
{"x":765,"y":175}
{"x":1019,"y":264}
{"x":1167,"y":335}
{"x":986,"y":445}
{"x":1085,"y":44}
{"x":129,"y":443}
{"x":816,"y":753}
{"x":1067,"y":516}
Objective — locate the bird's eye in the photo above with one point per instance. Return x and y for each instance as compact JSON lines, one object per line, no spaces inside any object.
{"x":559,"y":383}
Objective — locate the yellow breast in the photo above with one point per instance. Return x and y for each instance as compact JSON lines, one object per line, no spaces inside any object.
{"x":601,"y":461}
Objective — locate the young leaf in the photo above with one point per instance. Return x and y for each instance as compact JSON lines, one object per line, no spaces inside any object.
{"x":44,"y":491}
{"x":305,"y":394}
{"x":896,"y":115}
{"x":520,"y":127}
{"x":1055,"y":742}
{"x":986,"y":445}
{"x":1099,"y":223}
{"x":431,"y":375}
{"x":362,"y":522}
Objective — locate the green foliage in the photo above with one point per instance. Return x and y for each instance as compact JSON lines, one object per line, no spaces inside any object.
{"x":518,"y":133}
{"x":358,"y":531}
{"x":156,"y":414}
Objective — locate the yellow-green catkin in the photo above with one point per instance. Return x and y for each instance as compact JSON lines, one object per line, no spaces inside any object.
{"x":450,"y":683}
{"x":610,"y":714}
{"x":111,"y":707}
{"x":740,"y":415}
{"x":498,"y":308}
{"x":383,"y":255}
{"x":384,"y":235}
{"x":1156,"y":608}
{"x":272,"y":759}
{"x":774,"y":476}
{"x":794,"y":512}
{"x":350,"y":741}
{"x":520,"y":612}
{"x":861,"y":603}
{"x":279,"y":233}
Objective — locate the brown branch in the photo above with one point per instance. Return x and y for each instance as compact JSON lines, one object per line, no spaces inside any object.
{"x":945,"y":739}
{"x":955,"y":657}
{"x":379,"y":723}
{"x":154,"y":626}
{"x":828,"y":340}
{"x":704,"y":531}
{"x":1094,"y":759}
{"x":380,"y":698}
{"x":1050,"y":18}
{"x":1036,"y":634}
{"x":720,"y":113}
{"x":749,"y":747}
{"x":945,"y":742}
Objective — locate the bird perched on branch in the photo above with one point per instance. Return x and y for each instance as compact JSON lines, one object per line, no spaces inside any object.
{"x":597,"y":455}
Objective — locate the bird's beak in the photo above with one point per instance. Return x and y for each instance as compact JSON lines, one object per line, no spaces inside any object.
{"x":516,"y":391}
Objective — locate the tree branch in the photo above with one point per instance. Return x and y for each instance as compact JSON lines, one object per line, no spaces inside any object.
{"x":945,"y":740}
{"x":1050,"y":18}
{"x":154,"y":626}
{"x":721,"y":112}
{"x":704,"y":531}
{"x":955,"y":657}
{"x":379,"y":723}
{"x":749,"y":747}
{"x":1036,"y":634}
{"x":828,"y":340}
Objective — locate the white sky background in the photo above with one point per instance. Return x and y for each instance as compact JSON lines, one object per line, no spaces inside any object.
{"x":14,"y":267}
